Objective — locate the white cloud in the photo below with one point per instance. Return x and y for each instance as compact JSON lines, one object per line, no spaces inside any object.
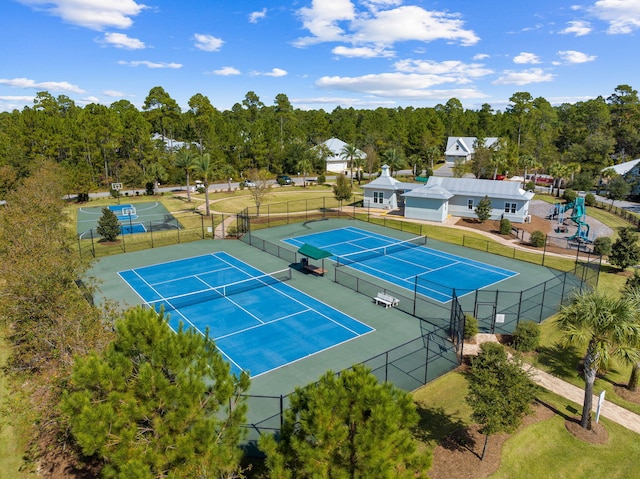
{"x":91,"y":99}
{"x":362,"y":52}
{"x":481,"y":56}
{"x":113,"y":93}
{"x":94,"y":14}
{"x":410,"y":22}
{"x":255,"y":16}
{"x":533,"y":75}
{"x":226,"y":71}
{"x":578,"y":28}
{"x":623,"y":16}
{"x":208,"y":43}
{"x":46,"y":85}
{"x":322,"y":20}
{"x":572,"y":56}
{"x":395,"y":85}
{"x":380,"y":23}
{"x":276,"y":72}
{"x":149,"y":64}
{"x":526,"y":58}
{"x":451,"y":68}
{"x":120,"y":40}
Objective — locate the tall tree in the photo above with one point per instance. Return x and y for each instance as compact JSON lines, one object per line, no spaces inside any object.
{"x":185,"y":160}
{"x":346,"y":425}
{"x":162,"y":111}
{"x":618,"y":189}
{"x":519,"y":108}
{"x":500,"y":391}
{"x":262,"y":181}
{"x":607,"y":327}
{"x":157,"y":403}
{"x":349,"y":153}
{"x":205,"y":169}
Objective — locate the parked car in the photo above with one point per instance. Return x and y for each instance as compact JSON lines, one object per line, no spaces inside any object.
{"x":248,"y":184}
{"x":284,"y":180}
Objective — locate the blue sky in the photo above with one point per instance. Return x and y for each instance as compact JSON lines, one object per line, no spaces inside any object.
{"x":320,"y":53}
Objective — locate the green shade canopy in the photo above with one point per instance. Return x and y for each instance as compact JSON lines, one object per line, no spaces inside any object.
{"x":313,"y":252}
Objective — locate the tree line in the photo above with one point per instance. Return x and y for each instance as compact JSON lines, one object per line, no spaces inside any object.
{"x":98,"y":144}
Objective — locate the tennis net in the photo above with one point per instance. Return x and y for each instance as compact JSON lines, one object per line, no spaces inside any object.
{"x":249,"y":284}
{"x":367,"y":254}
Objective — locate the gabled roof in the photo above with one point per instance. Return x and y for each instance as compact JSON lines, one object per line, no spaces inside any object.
{"x":435,"y":191}
{"x":465,"y":144}
{"x":438,"y":187}
{"x":623,"y":168}
{"x":336,"y":145}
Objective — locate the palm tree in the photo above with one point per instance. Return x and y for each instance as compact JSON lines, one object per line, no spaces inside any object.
{"x":203,"y":167}
{"x":528,"y":163}
{"x":393,"y":159}
{"x":349,"y":152}
{"x":608,"y":327}
{"x":306,"y":166}
{"x":185,"y":161}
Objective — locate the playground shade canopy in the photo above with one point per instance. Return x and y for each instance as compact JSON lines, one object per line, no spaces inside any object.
{"x":313,"y":252}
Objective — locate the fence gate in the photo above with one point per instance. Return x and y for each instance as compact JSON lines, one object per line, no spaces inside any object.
{"x":485,"y":313}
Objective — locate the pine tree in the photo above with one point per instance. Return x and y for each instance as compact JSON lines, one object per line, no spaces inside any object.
{"x":347,"y":426}
{"x":625,"y":251}
{"x":157,"y":403}
{"x":108,"y":225}
{"x":500,"y":391}
{"x":483,"y":210}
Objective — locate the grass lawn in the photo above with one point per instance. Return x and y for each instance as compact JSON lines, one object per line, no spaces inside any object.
{"x":542,"y":449}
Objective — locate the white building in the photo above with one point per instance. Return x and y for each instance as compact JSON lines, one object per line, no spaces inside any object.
{"x":462,"y":148}
{"x":335,"y":162}
{"x":385,"y":191}
{"x":442,"y":197}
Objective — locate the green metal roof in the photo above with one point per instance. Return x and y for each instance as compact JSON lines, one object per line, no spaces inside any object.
{"x":313,"y":252}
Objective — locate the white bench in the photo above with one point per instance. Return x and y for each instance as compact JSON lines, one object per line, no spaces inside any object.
{"x":386,"y":299}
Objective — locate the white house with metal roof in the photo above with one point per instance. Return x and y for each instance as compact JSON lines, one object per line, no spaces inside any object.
{"x":441,"y":197}
{"x":463,"y":147}
{"x":335,"y":162}
{"x":385,"y":191}
{"x":630,"y":171}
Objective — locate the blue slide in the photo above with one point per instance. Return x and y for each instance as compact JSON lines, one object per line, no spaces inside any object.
{"x":578,"y":217}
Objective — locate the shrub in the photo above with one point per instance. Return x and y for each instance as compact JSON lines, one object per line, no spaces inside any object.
{"x":590,"y":199}
{"x":530,"y":186}
{"x":526,"y":336}
{"x":569,"y":195}
{"x":602,"y":246}
{"x":505,"y":226}
{"x":470,"y":326}
{"x":632,"y":283}
{"x":538,"y":239}
{"x":321,"y":179}
{"x":150,"y":188}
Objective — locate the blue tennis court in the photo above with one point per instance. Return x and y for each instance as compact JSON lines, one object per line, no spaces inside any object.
{"x":406,"y":264}
{"x":259,"y":322}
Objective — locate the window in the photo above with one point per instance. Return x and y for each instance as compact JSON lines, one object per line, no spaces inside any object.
{"x":470,"y":204}
{"x":510,"y":207}
{"x":378,"y":196}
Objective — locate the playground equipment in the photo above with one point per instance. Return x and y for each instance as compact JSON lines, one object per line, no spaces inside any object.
{"x":578,"y":216}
